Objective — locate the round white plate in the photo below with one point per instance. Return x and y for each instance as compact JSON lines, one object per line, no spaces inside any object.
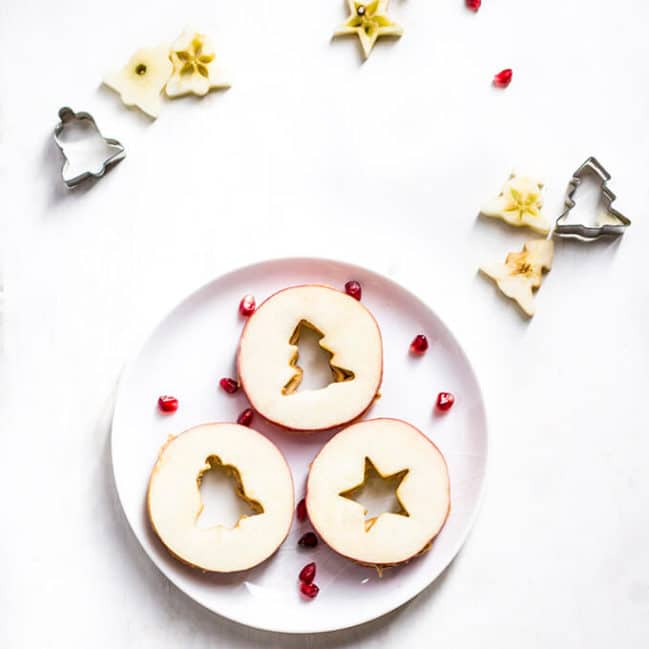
{"x":195,"y":345}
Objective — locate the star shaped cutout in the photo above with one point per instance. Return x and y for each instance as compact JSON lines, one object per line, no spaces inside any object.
{"x":375,"y":487}
{"x":369,"y":21}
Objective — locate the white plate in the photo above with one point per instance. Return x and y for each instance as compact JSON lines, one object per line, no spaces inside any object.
{"x":194,"y":346}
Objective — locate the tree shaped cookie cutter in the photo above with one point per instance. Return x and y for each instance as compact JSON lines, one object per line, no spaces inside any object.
{"x":590,"y":232}
{"x":68,"y":117}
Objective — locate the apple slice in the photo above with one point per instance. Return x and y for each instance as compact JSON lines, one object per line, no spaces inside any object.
{"x":398,"y":451}
{"x":268,"y":358}
{"x":174,"y":502}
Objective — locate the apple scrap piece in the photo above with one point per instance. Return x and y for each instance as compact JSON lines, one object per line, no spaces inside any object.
{"x":264,"y":481}
{"x":521,"y":273}
{"x":519,"y":204}
{"x":399,"y":452}
{"x":140,"y":82}
{"x":195,"y":67}
{"x":368,"y":21}
{"x":268,"y":358}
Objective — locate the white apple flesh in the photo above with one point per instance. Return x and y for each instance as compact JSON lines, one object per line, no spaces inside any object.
{"x":392,"y":446}
{"x":174,"y":501}
{"x":269,"y":367}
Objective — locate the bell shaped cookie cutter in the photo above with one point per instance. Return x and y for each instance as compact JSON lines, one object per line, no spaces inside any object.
{"x":68,"y":117}
{"x":591,"y":232}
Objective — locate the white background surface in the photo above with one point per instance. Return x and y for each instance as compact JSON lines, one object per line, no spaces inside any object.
{"x":383,"y":164}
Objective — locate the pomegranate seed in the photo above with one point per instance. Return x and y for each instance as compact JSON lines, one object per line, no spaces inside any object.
{"x":354,"y":289}
{"x":307,"y":574}
{"x":229,"y":385}
{"x":474,"y":5}
{"x":168,"y":404}
{"x":300,"y":510}
{"x":308,"y":540}
{"x":445,"y":401}
{"x":419,"y":344}
{"x":247,"y":305}
{"x":309,"y":590}
{"x":503,"y":78}
{"x":245,"y":418}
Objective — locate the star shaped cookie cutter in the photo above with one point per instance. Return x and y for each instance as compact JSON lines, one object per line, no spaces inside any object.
{"x":591,"y":232}
{"x":67,"y":117}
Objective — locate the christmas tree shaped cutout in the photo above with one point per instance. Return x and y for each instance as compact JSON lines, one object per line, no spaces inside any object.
{"x":613,"y":223}
{"x":520,"y":276}
{"x":317,"y":360}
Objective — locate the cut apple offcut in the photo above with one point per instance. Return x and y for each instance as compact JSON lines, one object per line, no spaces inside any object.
{"x":264,"y":482}
{"x":401,"y":455}
{"x":268,"y":358}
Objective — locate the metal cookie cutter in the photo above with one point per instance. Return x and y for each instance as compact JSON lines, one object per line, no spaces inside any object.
{"x":590,"y":232}
{"x":68,"y":117}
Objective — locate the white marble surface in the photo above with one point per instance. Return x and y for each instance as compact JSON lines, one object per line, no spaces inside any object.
{"x":385,"y":165}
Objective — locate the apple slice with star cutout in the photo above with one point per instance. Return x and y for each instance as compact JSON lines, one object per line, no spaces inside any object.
{"x":268,"y":360}
{"x":406,"y":461}
{"x":263,"y":480}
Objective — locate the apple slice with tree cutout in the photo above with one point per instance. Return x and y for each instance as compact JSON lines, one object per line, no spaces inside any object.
{"x":269,"y":372}
{"x":403,"y":458}
{"x":263,"y":480}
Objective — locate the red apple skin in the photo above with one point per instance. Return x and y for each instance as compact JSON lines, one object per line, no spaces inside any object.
{"x":170,"y":439}
{"x":428,"y":543}
{"x":242,"y":382}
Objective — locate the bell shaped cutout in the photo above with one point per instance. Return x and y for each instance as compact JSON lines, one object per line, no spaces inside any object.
{"x":87,"y":153}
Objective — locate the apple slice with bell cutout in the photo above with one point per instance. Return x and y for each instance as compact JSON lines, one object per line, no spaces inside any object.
{"x":268,"y":361}
{"x":403,"y":457}
{"x":263,"y":480}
